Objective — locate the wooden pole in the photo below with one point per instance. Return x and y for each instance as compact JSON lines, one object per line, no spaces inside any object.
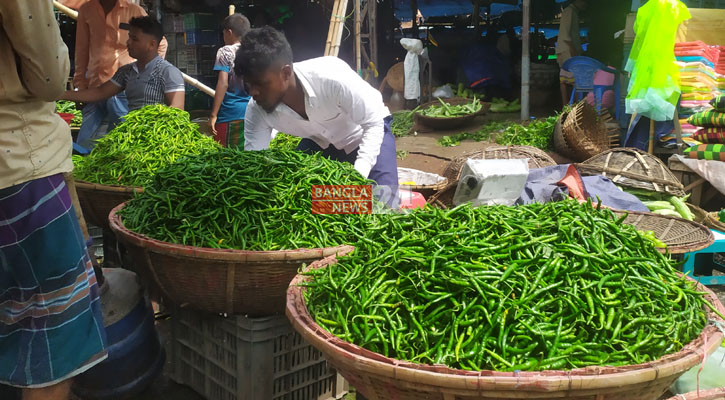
{"x":333,"y":24}
{"x":358,"y":40}
{"x":414,"y":12}
{"x":71,"y":185}
{"x":525,"y":60}
{"x":191,"y":81}
{"x":476,"y":19}
{"x":651,"y":147}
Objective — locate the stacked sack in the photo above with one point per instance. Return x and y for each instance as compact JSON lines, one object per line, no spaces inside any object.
{"x":711,"y":132}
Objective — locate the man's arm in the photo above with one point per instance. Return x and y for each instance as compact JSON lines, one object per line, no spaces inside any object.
{"x":365,"y":106}
{"x":80,"y":81}
{"x":174,"y":89}
{"x":257,"y":133}
{"x":175,"y":99}
{"x":102,"y":92}
{"x":42,"y":56}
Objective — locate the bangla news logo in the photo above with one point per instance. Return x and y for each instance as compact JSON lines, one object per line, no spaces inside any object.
{"x":342,"y":199}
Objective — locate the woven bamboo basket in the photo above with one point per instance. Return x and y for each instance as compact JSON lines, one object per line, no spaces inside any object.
{"x":452,"y":122}
{"x":713,"y":221}
{"x":560,"y":145}
{"x":537,"y":159}
{"x":218,"y":280}
{"x":712,"y":394}
{"x":587,"y":133}
{"x":98,"y":200}
{"x":381,"y":378}
{"x":680,"y":235}
{"x":633,"y":168}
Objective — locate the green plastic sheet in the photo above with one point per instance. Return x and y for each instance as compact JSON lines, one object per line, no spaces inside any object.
{"x":654,"y":85}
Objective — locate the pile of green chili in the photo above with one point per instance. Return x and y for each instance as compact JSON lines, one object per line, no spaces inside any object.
{"x":247,"y":200}
{"x":284,"y":141}
{"x":536,"y":287}
{"x":446,"y":110}
{"x":148,"y":139}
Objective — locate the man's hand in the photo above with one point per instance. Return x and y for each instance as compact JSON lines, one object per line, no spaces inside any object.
{"x":212,"y":123}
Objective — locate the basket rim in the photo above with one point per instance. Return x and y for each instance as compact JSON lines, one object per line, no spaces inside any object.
{"x":485,"y":106}
{"x":596,"y":377}
{"x":435,"y":186}
{"x":677,"y":249}
{"x":207,"y":253}
{"x":85,"y":185}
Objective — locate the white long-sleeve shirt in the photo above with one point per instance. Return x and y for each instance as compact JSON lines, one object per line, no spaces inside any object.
{"x":342,"y":110}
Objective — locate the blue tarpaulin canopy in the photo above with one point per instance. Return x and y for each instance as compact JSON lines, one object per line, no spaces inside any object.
{"x":448,"y":8}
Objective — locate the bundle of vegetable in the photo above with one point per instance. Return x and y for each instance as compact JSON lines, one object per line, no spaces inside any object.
{"x":536,"y":287}
{"x":664,"y":204}
{"x":69,"y":107}
{"x":482,"y":134}
{"x":246,"y":200}
{"x":149,"y":138}
{"x":284,"y":141}
{"x":446,"y":110}
{"x":538,"y":133}
{"x":402,"y":122}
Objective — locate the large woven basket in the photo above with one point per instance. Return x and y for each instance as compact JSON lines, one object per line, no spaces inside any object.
{"x":98,"y":200}
{"x":633,"y":168}
{"x":712,"y":394}
{"x":586,"y":132}
{"x":452,"y":122}
{"x":560,"y":145}
{"x":218,"y":280}
{"x":382,"y":378}
{"x":537,"y":159}
{"x":680,"y":235}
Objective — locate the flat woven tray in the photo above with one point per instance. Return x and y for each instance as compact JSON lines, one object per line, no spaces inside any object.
{"x":713,"y":221}
{"x":427,"y":183}
{"x":382,"y":378}
{"x":537,"y":159}
{"x":680,"y":235}
{"x":633,"y":168}
{"x":452,"y":122}
{"x":712,"y":394}
{"x":586,"y":132}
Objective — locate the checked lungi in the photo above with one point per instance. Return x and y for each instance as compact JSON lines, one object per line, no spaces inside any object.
{"x":51,"y":326}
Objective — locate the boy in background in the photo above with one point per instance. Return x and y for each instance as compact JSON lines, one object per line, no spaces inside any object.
{"x":231,"y":99}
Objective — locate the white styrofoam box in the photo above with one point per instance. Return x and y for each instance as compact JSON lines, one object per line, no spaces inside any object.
{"x":488,"y":182}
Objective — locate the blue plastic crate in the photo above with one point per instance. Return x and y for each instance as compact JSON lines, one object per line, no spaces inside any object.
{"x":201,"y":37}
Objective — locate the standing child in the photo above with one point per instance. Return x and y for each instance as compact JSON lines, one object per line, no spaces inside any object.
{"x":230,"y":101}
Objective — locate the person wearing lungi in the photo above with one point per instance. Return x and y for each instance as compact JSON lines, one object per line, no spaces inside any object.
{"x":51,"y":327}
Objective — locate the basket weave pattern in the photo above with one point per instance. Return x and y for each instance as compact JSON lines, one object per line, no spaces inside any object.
{"x":633,"y":168}
{"x":680,"y":235}
{"x":381,"y":378}
{"x":98,"y":200}
{"x":218,"y":280}
{"x":712,"y":394}
{"x":583,"y":133}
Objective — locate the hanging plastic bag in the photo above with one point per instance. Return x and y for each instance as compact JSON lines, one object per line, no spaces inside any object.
{"x":654,"y":86}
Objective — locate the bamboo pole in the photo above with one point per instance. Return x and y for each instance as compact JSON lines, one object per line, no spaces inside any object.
{"x":358,"y":40}
{"x":525,"y":59}
{"x":340,"y":27}
{"x":191,"y":81}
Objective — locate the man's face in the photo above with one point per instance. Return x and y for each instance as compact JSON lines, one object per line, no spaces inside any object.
{"x":269,"y":87}
{"x":139,"y":43}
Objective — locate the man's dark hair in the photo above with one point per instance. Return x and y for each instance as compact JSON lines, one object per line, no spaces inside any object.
{"x":260,"y":49}
{"x":238,"y":24}
{"x":148,"y":26}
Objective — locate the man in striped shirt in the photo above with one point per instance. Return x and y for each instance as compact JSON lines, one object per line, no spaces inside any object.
{"x":149,"y":80}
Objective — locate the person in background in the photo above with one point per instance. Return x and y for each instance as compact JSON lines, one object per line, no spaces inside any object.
{"x":51,"y":326}
{"x":231,"y":99}
{"x":100,"y":51}
{"x":568,"y":45}
{"x":148,"y":80}
{"x":321,"y":100}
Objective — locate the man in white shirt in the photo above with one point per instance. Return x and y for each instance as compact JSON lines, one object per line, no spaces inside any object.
{"x":321,"y":100}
